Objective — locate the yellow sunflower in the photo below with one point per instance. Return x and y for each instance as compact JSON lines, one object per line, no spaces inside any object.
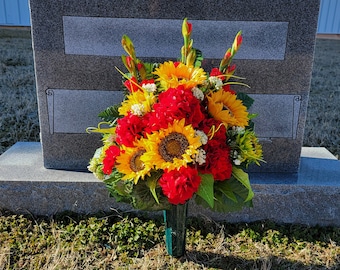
{"x":130,"y":163}
{"x":172,"y":76}
{"x":173,"y":147}
{"x":138,"y":103}
{"x":225,"y":107}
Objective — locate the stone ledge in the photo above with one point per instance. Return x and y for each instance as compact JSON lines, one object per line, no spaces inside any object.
{"x":309,"y":197}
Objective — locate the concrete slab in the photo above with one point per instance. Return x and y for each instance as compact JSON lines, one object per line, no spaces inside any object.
{"x":310,"y":196}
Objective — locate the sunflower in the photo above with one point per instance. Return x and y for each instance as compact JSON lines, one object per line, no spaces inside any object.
{"x":249,"y":148}
{"x":225,"y":107}
{"x":138,"y":103}
{"x":172,"y":147}
{"x":172,"y":75}
{"x":129,"y":162}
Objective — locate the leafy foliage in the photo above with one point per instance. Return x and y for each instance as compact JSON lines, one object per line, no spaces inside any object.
{"x":230,"y":195}
{"x":110,"y":114}
{"x":246,"y":99}
{"x":119,"y":189}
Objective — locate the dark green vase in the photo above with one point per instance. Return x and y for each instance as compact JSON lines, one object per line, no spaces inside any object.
{"x":175,"y":229}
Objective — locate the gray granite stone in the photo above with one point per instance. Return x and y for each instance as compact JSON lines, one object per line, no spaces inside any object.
{"x":309,"y":196}
{"x":81,"y":109}
{"x":67,"y":36}
{"x":101,"y":36}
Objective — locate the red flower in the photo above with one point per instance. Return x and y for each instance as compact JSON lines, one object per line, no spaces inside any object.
{"x":226,"y":88}
{"x":132,"y":84}
{"x":148,"y":81}
{"x":180,"y":185}
{"x":178,"y":103}
{"x":129,"y":128}
{"x":217,"y":160}
{"x":214,"y":129}
{"x":110,"y":159}
{"x":217,"y":73}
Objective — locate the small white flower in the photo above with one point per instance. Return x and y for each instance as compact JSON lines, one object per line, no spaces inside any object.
{"x":235,"y":154}
{"x":202,"y":135}
{"x":197,"y":93}
{"x":200,"y":157}
{"x":217,"y":81}
{"x":239,"y":130}
{"x":138,"y":109}
{"x":237,"y":162}
{"x":150,"y":87}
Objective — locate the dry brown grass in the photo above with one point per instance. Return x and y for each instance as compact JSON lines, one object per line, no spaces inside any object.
{"x":96,"y":243}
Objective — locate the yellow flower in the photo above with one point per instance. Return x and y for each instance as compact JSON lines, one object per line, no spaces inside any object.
{"x":130,"y":163}
{"x":172,"y":76}
{"x":138,"y":103}
{"x":225,"y":107}
{"x":173,"y":147}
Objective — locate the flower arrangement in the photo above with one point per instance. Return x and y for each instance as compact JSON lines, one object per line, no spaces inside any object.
{"x":180,"y":133}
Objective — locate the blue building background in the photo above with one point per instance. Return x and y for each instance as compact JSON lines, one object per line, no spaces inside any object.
{"x":16,"y":13}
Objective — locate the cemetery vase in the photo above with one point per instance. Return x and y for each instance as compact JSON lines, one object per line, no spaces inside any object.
{"x":175,"y":229}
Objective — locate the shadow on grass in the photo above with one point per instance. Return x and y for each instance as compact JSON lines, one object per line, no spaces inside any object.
{"x":219,"y":261}
{"x":269,"y":231}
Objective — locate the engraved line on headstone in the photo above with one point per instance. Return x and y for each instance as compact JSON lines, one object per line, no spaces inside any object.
{"x":297,"y":104}
{"x":163,"y":37}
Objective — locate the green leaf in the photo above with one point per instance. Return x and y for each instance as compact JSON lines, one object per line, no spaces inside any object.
{"x":199,"y":58}
{"x":243,"y":178}
{"x":151,"y":182}
{"x":206,"y":189}
{"x":144,"y":200}
{"x":232,"y":194}
{"x":110,"y":114}
{"x":228,"y":192}
{"x":225,"y":204}
{"x":149,"y":67}
{"x":246,"y":100}
{"x":119,"y":189}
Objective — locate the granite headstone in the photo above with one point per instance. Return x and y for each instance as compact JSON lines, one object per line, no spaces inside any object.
{"x":77,"y":45}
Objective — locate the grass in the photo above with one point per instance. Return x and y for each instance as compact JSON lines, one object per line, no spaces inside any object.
{"x":121,"y":241}
{"x":18,"y":102}
{"x":323,"y":118}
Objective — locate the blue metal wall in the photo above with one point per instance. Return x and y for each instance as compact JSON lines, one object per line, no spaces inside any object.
{"x":329,"y":17}
{"x":16,"y":13}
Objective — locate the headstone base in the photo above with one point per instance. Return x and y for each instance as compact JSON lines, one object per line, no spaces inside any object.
{"x":308,"y":197}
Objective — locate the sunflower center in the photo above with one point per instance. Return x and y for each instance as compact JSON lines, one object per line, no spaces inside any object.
{"x":173,"y":146}
{"x":135,"y":162}
{"x":226,"y":108}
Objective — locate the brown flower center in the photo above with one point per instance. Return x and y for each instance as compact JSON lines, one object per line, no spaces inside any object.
{"x":226,"y":108}
{"x":135,"y":162}
{"x":173,"y":146}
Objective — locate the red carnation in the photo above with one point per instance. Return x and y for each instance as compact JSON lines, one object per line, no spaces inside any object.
{"x":215,"y":129}
{"x":217,"y":160}
{"x":110,"y":159}
{"x":129,"y":128}
{"x":180,"y":185}
{"x":178,"y":103}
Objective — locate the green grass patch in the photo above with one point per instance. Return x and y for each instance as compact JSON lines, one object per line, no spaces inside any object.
{"x":122,"y":241}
